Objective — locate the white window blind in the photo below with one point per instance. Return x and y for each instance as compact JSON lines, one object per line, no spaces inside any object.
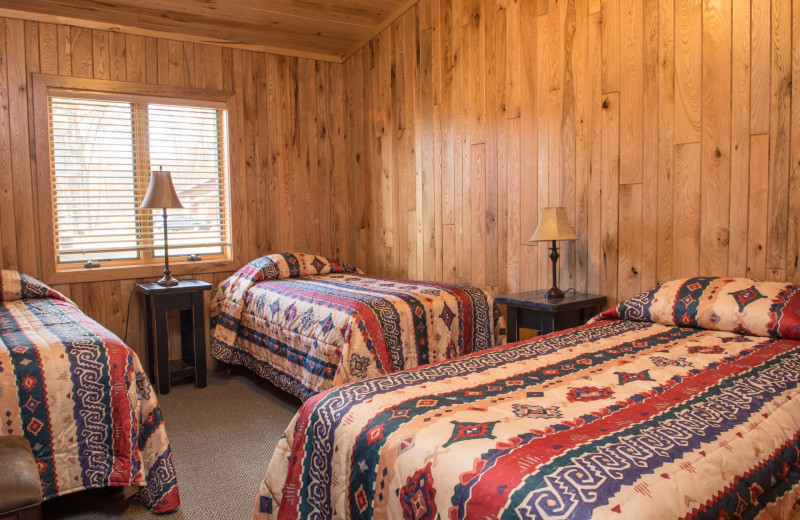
{"x":103,"y":149}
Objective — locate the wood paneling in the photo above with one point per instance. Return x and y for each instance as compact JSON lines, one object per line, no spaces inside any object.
{"x":666,"y":128}
{"x":289,"y":153}
{"x":328,"y":30}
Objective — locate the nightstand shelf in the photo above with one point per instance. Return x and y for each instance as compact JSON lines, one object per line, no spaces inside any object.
{"x":531,"y":310}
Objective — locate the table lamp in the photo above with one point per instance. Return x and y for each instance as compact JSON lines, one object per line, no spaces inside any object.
{"x":161,"y":195}
{"x":553,"y":226}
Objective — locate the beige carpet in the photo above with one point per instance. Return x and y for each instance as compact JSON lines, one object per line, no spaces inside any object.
{"x":222,"y":438}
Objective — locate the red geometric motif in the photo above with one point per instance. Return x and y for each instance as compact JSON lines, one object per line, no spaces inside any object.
{"x":35,"y":425}
{"x":361,"y":499}
{"x":317,"y":264}
{"x":418,"y":496}
{"x":469,"y":430}
{"x":625,"y":377}
{"x":375,"y":434}
{"x":447,"y":316}
{"x":29,"y":382}
{"x":746,"y":296}
{"x":716,"y":349}
{"x":403,"y":412}
{"x":589,"y":393}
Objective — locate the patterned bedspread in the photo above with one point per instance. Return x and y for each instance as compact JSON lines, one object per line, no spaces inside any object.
{"x":81,"y":398}
{"x":307,"y":323}
{"x":631,"y":416}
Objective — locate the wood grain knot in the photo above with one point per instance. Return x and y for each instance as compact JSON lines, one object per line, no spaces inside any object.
{"x":717,"y":153}
{"x":605,"y":103}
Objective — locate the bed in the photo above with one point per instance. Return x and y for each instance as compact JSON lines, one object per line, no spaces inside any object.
{"x":307,"y":323}
{"x":680,"y":403}
{"x":80,"y":397}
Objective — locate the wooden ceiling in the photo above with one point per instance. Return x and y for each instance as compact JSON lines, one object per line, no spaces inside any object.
{"x":322,"y":29}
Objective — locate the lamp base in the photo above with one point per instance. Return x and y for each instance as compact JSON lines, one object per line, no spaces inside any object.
{"x":168,"y":281}
{"x":554,"y":294}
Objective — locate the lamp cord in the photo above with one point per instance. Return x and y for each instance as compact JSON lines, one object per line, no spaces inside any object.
{"x":128,"y":316}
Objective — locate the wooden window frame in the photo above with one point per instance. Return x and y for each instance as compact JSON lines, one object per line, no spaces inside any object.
{"x":55,"y":273}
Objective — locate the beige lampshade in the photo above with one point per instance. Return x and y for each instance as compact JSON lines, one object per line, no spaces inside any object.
{"x":161,"y":192}
{"x":553,"y":225}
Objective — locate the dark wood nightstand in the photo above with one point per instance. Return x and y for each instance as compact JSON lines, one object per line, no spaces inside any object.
{"x":532,"y":311}
{"x":186,"y":297}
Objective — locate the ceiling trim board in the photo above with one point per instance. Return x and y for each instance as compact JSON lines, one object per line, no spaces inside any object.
{"x":105,"y":26}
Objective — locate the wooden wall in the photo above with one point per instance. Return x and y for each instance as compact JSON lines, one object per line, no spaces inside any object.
{"x":289,"y":173}
{"x":668,"y":129}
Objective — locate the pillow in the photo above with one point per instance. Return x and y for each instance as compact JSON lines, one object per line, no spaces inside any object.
{"x":279,"y":266}
{"x":20,"y":286}
{"x":728,"y":304}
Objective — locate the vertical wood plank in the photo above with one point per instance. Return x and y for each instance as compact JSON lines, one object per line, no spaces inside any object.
{"x":578,"y":70}
{"x":595,"y":195}
{"x":64,"y":37}
{"x":688,"y":70}
{"x":23,"y":189}
{"x":686,"y":216}
{"x":531,"y":105}
{"x":716,"y":138}
{"x":666,"y":113}
{"x":610,"y":197}
{"x":117,"y":57}
{"x":759,"y":200}
{"x":134,"y":58}
{"x":477,"y":187}
{"x":780,"y":133}
{"x":81,"y":44}
{"x":609,"y":11}
{"x":649,"y":262}
{"x":515,"y":199}
{"x":740,"y":138}
{"x":793,"y":240}
{"x":8,"y":240}
{"x":631,"y":90}
{"x":101,"y":55}
{"x":48,"y":48}
{"x":543,"y":116}
{"x":630,"y":240}
{"x":760,"y":44}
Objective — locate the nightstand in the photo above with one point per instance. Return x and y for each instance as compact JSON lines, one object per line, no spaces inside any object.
{"x":532,"y":311}
{"x":186,"y":297}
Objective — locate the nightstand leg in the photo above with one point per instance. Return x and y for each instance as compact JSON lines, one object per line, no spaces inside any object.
{"x":512,"y":329}
{"x":548,"y":323}
{"x":187,"y":337}
{"x":162,"y":347}
{"x":151,"y":341}
{"x":199,"y":336}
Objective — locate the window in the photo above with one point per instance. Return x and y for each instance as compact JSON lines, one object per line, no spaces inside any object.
{"x":103,"y":147}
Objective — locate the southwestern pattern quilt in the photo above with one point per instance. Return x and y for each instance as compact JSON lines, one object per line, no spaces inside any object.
{"x":80,"y":397}
{"x":307,"y":323}
{"x":625,"y":417}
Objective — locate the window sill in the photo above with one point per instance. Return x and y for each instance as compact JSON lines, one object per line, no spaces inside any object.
{"x":100,"y":274}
